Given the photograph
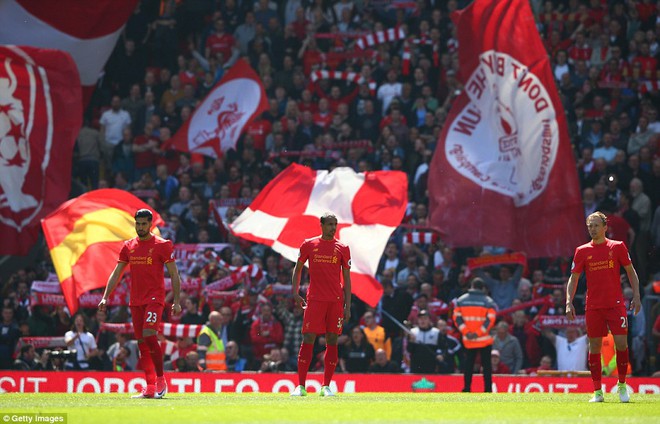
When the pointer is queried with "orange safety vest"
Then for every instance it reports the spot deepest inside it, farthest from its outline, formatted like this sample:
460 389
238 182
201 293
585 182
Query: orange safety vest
608 357
215 354
475 313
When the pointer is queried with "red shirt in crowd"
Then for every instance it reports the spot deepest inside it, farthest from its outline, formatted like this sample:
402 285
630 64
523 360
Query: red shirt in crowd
602 264
222 43
146 259
326 259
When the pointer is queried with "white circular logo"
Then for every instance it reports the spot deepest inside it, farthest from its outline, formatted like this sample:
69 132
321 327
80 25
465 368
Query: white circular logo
506 138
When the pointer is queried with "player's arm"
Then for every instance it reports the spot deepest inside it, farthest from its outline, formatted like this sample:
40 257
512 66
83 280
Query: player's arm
176 286
112 283
346 273
635 303
295 284
570 293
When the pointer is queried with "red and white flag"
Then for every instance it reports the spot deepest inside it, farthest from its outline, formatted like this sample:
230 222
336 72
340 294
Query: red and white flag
40 116
503 173
88 30
218 122
369 206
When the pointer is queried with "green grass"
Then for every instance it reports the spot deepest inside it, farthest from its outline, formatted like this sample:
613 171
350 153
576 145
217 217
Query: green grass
343 408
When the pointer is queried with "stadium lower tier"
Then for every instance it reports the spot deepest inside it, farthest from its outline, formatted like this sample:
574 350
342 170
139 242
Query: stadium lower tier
180 383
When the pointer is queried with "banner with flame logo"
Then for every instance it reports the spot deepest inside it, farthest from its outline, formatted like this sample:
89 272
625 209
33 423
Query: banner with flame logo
40 116
503 173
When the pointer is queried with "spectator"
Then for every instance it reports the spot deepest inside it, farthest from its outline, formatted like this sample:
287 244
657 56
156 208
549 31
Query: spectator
382 365
376 335
358 354
508 347
190 363
504 289
191 313
130 359
571 350
235 363
292 318
80 339
266 332
210 347
113 122
9 335
497 365
28 360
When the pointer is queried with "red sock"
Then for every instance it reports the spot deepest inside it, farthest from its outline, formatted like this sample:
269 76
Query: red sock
304 359
622 364
596 370
330 363
146 363
156 353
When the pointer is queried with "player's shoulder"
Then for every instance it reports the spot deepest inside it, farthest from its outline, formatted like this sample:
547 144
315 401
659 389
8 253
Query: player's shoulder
615 243
131 243
161 240
311 240
586 246
341 244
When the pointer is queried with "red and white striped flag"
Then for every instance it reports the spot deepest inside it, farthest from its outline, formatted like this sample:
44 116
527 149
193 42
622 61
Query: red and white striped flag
369 206
88 30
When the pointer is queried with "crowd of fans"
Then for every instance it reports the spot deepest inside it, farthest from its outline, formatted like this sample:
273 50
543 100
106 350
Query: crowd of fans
604 56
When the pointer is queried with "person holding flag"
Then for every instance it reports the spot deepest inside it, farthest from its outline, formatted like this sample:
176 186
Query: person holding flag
146 254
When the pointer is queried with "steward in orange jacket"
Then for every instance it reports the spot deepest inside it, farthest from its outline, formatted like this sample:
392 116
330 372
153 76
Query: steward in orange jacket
474 315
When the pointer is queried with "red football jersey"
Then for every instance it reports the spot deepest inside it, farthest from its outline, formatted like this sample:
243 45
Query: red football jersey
602 265
326 259
146 259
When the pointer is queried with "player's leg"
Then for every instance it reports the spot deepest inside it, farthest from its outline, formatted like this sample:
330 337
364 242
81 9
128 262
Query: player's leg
468 368
617 321
312 325
334 321
488 368
596 330
145 362
153 314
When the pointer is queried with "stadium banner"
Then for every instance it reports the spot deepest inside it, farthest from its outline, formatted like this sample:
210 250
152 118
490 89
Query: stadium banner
218 122
503 173
85 235
86 30
369 206
180 383
40 116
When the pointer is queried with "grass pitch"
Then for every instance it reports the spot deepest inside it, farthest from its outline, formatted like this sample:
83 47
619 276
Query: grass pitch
344 408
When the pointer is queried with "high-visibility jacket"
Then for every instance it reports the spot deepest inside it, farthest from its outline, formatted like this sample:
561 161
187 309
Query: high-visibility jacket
215 353
608 357
475 313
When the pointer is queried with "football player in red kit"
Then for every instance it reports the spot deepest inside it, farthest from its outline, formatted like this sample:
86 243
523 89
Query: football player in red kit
601 260
328 302
146 254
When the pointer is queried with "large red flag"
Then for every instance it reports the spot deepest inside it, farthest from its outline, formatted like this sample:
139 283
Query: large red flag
368 206
85 235
40 115
217 123
503 172
88 30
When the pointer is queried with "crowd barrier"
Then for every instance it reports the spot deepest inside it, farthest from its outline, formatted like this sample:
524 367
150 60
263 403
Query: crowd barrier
129 382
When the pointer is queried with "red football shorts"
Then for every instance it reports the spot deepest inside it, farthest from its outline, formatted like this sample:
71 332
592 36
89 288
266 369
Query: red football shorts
323 317
599 320
146 317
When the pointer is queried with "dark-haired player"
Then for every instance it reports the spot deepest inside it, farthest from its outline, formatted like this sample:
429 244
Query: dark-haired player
328 302
146 254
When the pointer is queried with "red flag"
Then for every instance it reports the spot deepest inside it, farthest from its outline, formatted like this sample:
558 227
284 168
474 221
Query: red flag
88 30
503 173
40 115
217 123
368 206
85 235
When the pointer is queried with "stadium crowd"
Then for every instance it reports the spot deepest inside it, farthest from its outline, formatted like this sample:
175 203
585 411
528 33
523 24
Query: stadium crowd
604 56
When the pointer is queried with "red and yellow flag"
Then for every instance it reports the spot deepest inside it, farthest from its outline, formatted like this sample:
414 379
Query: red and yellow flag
85 235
